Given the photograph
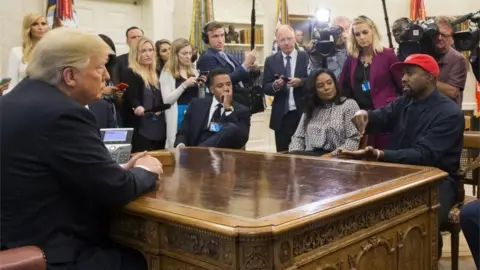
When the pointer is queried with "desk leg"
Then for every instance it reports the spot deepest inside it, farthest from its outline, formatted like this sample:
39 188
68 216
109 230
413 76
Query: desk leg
434 205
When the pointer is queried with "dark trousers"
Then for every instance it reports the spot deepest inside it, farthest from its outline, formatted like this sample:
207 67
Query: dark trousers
317 153
283 136
119 258
447 197
227 137
140 144
470 221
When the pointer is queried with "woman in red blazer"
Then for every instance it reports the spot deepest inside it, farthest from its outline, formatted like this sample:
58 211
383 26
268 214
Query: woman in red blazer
366 75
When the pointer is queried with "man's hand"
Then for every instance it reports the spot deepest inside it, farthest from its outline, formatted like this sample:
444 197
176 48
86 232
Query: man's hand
131 163
294 82
369 153
149 163
360 120
250 58
278 83
227 100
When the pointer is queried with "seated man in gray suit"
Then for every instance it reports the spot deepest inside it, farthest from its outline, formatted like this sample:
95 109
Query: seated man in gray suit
215 121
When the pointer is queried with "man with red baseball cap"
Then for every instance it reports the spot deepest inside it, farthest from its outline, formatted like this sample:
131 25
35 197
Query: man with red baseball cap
426 128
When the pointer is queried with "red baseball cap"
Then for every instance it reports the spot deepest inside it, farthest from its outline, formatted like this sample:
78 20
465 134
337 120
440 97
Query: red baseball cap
424 61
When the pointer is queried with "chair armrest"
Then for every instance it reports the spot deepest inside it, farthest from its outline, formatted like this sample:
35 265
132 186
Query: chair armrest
23 258
475 164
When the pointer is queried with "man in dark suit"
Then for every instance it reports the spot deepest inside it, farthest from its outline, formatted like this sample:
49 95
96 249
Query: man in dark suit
133 34
101 109
215 57
212 123
284 76
58 179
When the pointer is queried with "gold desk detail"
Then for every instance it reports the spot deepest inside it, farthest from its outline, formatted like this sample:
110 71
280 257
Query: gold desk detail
228 209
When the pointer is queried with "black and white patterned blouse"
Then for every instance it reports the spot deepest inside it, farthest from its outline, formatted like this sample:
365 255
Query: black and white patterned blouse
329 129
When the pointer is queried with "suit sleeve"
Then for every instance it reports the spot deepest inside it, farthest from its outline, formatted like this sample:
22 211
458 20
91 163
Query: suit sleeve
80 160
241 118
385 118
131 97
111 123
269 78
432 145
208 62
304 66
184 130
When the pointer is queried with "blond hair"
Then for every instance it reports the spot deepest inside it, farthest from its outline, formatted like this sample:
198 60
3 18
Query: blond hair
353 47
27 41
61 48
149 75
173 64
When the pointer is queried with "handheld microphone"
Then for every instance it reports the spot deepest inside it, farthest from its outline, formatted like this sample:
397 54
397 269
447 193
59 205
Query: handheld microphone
464 18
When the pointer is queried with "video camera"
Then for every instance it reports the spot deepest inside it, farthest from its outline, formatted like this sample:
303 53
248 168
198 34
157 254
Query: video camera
418 37
325 40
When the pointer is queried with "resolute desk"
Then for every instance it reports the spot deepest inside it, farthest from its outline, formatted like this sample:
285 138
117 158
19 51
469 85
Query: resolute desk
227 209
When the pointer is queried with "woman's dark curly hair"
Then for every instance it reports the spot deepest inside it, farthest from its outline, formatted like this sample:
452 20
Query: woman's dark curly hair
312 100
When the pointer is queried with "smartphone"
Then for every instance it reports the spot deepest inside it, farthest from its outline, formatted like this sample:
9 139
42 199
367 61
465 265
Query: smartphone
203 73
285 79
121 86
5 80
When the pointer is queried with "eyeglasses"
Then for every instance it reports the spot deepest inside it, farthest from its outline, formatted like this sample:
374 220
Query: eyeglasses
444 35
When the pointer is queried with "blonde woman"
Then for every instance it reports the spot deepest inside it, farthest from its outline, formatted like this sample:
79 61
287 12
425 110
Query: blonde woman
179 86
366 76
143 103
34 27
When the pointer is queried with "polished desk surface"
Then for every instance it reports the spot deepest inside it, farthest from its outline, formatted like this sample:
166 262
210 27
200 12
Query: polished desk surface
232 191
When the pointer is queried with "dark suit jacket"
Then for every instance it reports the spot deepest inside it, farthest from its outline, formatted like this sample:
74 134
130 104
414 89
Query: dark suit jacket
274 65
57 177
211 59
103 113
122 64
196 119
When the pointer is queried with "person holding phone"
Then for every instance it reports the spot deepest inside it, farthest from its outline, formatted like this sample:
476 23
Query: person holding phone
284 76
179 83
215 121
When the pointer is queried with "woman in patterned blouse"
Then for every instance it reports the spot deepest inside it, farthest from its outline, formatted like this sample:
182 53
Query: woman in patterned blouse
326 124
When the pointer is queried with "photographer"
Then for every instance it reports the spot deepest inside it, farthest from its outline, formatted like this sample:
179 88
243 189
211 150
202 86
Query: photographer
453 66
398 29
337 59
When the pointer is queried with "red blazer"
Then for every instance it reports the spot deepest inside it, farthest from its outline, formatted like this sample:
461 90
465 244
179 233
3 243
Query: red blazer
385 85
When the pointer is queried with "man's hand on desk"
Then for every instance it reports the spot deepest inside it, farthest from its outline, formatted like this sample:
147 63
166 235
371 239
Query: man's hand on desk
369 153
360 120
147 162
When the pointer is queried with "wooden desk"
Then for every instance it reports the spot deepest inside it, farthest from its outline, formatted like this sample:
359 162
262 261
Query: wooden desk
226 209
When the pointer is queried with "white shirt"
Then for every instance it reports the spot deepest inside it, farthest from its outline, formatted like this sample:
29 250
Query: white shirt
213 107
293 62
16 69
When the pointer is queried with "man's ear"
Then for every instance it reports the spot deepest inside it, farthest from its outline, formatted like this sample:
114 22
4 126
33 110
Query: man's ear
68 76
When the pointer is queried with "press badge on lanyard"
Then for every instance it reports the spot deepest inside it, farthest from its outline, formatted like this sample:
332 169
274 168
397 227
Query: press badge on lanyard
215 127
366 86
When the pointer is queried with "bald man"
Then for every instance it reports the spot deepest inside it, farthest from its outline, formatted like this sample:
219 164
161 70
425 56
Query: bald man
284 77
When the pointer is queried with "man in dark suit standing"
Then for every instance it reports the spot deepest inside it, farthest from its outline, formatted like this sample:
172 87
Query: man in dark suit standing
215 121
133 34
58 179
284 76
101 109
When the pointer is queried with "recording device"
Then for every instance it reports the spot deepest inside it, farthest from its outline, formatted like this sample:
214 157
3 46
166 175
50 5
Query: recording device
118 142
5 80
202 73
324 40
418 37
285 79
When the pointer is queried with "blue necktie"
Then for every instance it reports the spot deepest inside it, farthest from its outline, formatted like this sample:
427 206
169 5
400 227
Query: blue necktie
287 73
288 67
225 57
